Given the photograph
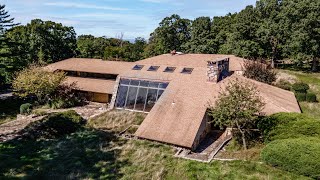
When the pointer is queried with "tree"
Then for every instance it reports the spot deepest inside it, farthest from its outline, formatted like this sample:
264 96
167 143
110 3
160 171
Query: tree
172 33
304 44
89 46
47 41
242 40
201 40
237 107
259 72
35 81
273 31
6 22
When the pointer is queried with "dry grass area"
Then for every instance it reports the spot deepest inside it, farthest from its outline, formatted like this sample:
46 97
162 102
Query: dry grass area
116 120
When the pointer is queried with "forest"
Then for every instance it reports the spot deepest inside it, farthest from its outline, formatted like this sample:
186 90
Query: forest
272 30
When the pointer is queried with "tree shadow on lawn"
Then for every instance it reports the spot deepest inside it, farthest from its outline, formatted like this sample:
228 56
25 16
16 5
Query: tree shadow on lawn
87 153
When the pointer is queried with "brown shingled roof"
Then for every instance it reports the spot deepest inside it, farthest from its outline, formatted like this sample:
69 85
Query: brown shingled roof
92 85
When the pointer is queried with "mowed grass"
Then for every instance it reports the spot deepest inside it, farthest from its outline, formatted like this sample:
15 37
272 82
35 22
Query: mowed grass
313 79
90 153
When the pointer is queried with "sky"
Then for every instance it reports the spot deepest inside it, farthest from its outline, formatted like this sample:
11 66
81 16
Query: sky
111 18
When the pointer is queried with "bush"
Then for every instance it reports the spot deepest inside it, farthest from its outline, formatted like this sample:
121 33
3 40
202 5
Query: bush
311 97
55 125
300 87
300 155
283 84
25 108
295 129
301 96
66 96
259 72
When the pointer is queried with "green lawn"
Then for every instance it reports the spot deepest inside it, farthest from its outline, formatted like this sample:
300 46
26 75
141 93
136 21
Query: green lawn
313 79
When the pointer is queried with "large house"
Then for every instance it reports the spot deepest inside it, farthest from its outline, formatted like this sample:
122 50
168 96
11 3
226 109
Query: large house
175 91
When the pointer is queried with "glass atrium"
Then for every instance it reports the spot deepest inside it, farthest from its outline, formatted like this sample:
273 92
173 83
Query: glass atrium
139 95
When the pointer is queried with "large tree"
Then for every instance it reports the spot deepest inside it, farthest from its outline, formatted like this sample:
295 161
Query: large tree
6 22
273 31
304 44
242 40
201 38
39 42
172 33
237 107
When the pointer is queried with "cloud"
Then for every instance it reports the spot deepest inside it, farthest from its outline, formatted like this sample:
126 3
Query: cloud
83 6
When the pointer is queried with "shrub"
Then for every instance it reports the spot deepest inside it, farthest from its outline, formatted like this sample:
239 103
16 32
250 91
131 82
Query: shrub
300 87
300 155
25 108
288 125
301 96
55 125
259 72
283 84
66 96
311 97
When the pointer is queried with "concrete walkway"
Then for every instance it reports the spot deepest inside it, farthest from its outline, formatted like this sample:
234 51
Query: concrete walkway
208 148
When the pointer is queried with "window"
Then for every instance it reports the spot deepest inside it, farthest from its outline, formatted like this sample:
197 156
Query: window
91 75
170 69
137 67
153 68
139 95
187 70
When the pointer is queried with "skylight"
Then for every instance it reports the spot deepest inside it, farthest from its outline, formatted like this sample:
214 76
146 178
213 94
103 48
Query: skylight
153 68
169 69
137 67
187 70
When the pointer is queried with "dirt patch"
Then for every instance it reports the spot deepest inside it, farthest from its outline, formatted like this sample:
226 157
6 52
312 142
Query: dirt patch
9 130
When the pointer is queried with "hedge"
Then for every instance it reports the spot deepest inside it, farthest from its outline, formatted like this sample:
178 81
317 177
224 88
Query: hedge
301 96
300 87
300 156
285 125
25 108
311 97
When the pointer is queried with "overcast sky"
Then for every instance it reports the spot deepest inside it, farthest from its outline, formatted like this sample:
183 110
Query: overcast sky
133 18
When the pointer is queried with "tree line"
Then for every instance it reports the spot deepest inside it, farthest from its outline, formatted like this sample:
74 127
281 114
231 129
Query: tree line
271 30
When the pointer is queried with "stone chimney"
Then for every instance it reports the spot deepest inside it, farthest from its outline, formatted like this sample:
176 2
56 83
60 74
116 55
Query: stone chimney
217 70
